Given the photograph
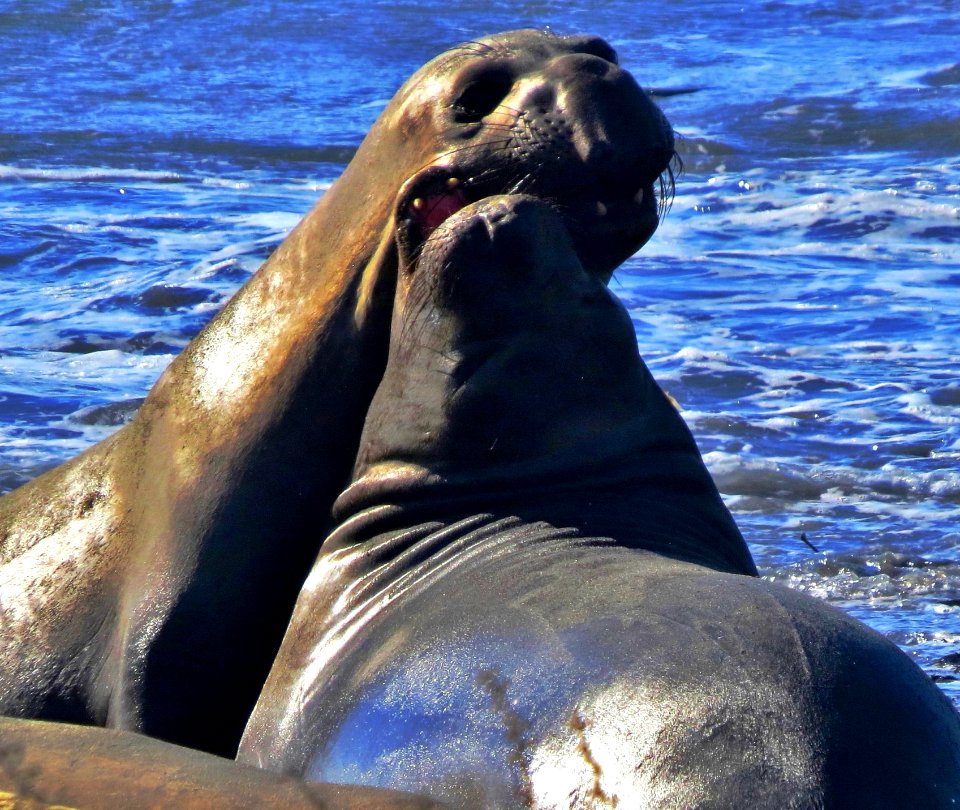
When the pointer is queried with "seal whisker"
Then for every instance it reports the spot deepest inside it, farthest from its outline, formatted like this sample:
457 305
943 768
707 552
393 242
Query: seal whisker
498 127
498 46
522 183
463 148
420 302
667 184
489 173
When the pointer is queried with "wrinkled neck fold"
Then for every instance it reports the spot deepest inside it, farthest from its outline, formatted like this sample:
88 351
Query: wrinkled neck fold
655 498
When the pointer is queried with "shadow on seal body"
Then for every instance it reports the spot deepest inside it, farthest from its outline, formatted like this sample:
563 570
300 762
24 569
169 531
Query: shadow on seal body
146 584
535 596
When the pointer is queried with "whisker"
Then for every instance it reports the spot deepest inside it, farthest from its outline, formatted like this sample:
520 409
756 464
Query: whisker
517 186
467 146
499 47
486 174
499 127
460 149
667 184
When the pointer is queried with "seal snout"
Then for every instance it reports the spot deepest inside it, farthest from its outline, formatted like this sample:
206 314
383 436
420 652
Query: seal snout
515 244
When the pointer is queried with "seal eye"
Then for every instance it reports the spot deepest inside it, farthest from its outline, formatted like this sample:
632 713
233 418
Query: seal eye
482 96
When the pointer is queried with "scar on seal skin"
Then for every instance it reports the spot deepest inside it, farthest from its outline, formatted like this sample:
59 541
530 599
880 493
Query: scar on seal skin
515 728
578 725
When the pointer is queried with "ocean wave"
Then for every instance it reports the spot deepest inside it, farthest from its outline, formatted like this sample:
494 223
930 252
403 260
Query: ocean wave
87 175
788 482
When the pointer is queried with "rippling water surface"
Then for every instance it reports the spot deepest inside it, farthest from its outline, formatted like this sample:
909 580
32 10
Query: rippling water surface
801 301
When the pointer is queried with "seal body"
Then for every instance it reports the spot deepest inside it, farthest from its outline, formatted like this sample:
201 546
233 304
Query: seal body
535 596
147 583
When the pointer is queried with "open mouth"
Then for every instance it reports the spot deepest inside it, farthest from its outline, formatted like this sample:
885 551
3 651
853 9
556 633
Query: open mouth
436 203
596 218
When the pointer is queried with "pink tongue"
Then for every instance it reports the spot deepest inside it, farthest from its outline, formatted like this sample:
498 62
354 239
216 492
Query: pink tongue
438 207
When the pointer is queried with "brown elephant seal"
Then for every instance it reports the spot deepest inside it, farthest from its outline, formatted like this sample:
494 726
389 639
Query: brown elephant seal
56 766
147 583
535 597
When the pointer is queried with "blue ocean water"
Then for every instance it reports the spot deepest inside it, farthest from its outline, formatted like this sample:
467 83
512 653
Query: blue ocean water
801 300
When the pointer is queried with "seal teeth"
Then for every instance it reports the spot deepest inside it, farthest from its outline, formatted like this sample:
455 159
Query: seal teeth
601 209
453 182
417 203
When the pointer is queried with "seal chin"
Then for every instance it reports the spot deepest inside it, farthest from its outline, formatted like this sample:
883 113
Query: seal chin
608 229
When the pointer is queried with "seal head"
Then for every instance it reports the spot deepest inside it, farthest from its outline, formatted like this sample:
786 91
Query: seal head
555 117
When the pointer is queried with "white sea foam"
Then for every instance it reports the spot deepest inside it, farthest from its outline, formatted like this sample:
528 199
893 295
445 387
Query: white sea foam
86 175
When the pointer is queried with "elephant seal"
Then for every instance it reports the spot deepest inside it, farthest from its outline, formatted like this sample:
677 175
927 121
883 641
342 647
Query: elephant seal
146 584
535 596
56 766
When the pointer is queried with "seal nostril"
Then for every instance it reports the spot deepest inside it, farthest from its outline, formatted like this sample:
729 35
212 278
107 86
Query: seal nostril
493 216
491 226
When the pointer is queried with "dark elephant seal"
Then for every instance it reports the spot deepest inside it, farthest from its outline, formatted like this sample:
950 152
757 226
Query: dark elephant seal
147 583
535 596
56 766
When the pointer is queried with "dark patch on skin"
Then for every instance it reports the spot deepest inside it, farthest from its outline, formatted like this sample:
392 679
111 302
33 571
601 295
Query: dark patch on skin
515 728
87 503
18 774
578 725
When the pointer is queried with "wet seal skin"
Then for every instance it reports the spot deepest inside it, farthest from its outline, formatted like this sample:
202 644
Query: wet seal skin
147 583
535 596
56 766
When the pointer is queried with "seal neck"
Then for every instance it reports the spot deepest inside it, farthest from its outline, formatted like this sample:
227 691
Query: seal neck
656 499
